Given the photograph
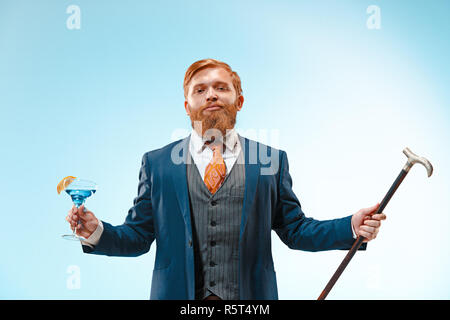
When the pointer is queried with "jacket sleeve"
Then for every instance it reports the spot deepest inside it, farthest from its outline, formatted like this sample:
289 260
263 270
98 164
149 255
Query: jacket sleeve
302 233
136 234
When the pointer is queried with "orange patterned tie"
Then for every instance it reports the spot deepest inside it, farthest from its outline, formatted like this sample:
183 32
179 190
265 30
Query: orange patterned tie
216 170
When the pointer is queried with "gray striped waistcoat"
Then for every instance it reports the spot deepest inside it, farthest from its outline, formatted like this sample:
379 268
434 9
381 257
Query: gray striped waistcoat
215 230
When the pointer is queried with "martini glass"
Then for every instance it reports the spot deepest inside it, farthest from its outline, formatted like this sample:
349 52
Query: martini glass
79 190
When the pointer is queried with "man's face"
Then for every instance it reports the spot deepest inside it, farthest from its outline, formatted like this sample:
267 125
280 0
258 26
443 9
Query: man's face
212 101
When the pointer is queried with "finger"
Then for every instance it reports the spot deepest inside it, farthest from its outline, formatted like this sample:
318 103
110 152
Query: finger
71 211
374 234
379 216
81 209
82 212
74 217
78 211
69 219
367 229
372 223
85 215
371 209
365 234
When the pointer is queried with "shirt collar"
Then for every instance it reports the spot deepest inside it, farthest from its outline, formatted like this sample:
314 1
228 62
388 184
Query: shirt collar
231 139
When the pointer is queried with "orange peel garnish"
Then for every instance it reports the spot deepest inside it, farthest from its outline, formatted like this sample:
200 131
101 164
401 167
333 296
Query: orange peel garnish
64 183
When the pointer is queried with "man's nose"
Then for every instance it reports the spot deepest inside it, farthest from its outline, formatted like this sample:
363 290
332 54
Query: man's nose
211 95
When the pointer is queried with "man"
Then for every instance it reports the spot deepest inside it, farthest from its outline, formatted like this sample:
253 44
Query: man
211 200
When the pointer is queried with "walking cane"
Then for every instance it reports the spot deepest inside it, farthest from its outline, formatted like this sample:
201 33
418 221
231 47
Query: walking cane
412 160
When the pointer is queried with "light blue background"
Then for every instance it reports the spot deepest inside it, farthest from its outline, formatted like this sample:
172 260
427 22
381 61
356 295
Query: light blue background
343 100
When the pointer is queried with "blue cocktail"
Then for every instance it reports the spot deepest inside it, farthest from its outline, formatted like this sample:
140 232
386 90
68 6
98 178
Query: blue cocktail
79 190
79 196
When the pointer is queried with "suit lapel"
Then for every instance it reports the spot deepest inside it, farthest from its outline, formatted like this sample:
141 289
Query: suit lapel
252 170
179 179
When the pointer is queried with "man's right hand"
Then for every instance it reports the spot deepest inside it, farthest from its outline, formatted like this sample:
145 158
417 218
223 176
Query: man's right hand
88 221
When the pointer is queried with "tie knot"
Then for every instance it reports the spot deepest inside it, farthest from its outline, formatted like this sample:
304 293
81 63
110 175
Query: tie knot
215 147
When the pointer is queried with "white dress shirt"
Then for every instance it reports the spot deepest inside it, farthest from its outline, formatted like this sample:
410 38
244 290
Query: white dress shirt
202 155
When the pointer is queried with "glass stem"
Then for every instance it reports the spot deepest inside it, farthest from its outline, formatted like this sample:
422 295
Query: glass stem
75 229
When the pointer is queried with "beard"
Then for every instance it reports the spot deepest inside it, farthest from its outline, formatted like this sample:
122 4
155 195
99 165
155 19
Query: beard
221 120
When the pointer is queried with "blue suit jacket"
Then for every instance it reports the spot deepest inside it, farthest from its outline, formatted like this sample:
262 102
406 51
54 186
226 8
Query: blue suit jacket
161 212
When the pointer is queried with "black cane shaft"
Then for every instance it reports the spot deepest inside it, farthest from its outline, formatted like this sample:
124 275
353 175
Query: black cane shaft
341 267
360 239
392 190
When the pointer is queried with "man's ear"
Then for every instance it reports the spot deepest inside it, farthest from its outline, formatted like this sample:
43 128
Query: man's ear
240 102
186 106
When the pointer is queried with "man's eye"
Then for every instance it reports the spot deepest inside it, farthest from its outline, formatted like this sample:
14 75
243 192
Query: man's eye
199 90
221 88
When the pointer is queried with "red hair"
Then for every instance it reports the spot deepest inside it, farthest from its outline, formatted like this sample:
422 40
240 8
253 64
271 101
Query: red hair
210 63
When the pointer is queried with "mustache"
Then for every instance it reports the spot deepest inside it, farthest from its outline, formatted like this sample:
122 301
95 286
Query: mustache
212 104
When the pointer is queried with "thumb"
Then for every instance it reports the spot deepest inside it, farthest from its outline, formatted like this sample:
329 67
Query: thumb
82 212
370 210
81 209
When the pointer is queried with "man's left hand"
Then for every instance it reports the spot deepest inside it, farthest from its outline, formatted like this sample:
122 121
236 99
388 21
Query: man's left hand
366 223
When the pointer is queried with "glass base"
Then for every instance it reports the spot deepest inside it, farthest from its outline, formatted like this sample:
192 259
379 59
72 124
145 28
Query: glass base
73 237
